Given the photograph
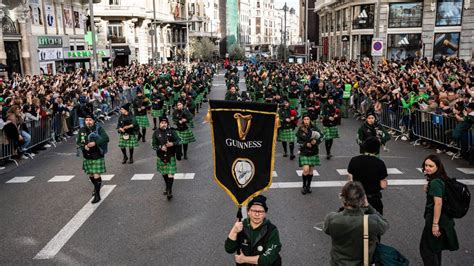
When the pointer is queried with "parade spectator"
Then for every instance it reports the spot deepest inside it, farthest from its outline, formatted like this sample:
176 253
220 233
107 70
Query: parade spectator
371 172
346 227
438 233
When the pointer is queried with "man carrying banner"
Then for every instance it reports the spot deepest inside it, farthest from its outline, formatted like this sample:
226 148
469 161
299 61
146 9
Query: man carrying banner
255 237
309 137
164 141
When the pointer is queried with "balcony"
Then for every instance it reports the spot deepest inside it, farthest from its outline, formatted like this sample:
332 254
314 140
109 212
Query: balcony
320 4
116 39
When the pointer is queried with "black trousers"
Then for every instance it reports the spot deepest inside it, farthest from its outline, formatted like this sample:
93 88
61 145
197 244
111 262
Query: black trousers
375 200
429 257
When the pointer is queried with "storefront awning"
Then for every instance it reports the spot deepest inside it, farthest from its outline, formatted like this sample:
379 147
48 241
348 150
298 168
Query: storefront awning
121 50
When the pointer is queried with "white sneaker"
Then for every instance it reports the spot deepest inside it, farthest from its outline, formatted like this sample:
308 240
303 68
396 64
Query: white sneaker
450 153
24 157
47 145
75 132
2 167
439 151
385 149
457 156
404 138
32 154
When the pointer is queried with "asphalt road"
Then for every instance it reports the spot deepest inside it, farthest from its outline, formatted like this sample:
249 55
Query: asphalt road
48 223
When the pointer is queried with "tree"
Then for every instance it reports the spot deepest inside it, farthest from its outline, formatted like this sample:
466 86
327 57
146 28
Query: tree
202 49
236 52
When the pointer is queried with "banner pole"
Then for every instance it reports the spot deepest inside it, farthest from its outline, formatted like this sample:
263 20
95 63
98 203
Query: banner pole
239 235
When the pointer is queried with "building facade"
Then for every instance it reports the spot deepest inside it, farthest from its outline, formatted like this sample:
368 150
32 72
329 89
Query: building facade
262 27
428 28
244 24
38 35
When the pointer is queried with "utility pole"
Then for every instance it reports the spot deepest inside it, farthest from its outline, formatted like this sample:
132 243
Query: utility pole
94 45
187 33
154 44
285 7
377 34
306 31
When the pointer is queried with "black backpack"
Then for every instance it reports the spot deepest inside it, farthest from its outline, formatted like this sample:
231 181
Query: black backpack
457 198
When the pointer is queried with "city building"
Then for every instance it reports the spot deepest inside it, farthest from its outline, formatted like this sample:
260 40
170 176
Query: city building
311 41
262 27
37 36
244 24
292 26
429 28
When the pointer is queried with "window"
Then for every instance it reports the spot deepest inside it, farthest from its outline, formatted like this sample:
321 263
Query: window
346 14
401 46
449 12
363 17
446 44
114 2
405 15
115 32
338 20
257 28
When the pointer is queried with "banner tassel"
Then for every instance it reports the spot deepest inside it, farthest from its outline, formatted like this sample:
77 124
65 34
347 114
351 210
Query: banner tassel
208 117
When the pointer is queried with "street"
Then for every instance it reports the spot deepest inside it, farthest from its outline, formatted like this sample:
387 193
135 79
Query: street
47 217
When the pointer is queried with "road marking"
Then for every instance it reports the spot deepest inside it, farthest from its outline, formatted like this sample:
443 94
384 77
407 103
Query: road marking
274 174
20 179
300 173
142 176
63 236
391 182
390 171
107 177
184 176
420 170
61 178
467 171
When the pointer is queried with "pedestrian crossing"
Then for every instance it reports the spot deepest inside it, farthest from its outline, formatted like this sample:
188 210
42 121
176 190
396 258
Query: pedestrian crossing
191 176
108 177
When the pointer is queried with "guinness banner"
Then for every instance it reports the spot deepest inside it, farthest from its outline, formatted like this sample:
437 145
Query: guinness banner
243 138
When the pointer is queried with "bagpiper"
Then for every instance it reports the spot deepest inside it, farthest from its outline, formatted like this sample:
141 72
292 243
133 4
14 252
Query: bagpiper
330 117
140 106
127 127
286 132
309 137
164 141
157 105
92 140
182 118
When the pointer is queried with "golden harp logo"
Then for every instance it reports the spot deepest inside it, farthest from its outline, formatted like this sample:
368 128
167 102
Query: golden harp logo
243 124
243 171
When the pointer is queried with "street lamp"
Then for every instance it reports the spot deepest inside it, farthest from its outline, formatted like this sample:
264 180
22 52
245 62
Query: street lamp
187 33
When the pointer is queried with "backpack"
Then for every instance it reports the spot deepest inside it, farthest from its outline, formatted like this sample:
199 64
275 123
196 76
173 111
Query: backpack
457 198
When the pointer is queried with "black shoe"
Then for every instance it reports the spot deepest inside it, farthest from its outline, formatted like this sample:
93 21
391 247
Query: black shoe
143 139
124 161
303 191
169 196
165 193
154 128
96 197
285 155
131 160
185 157
328 157
292 157
308 190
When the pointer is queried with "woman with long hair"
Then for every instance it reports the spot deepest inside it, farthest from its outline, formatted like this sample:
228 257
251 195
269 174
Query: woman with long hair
438 233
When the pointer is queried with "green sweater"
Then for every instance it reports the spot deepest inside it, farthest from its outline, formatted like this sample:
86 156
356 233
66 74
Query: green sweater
346 231
271 249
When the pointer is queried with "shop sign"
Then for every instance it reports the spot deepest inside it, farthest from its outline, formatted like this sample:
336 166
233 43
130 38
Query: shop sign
86 54
50 54
49 41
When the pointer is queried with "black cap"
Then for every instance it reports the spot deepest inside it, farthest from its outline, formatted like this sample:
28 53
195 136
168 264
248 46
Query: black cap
470 105
126 106
89 116
164 118
258 200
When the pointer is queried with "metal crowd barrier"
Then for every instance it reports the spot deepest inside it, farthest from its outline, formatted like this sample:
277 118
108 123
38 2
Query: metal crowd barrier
46 130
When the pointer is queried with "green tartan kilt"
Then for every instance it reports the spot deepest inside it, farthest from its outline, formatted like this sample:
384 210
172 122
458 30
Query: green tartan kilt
157 113
330 133
142 120
199 98
191 124
206 90
294 103
287 135
260 100
132 142
94 166
186 136
166 168
309 160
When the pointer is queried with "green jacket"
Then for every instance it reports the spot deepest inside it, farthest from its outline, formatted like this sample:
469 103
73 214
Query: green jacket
346 229
253 238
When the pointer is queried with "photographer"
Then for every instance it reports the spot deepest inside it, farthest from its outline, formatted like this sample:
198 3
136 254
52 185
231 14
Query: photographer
164 141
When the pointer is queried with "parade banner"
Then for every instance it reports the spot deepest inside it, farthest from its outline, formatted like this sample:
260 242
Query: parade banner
243 138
